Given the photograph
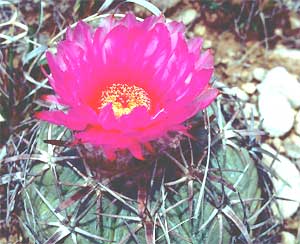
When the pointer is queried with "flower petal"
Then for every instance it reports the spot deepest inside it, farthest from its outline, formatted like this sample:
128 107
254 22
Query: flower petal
152 55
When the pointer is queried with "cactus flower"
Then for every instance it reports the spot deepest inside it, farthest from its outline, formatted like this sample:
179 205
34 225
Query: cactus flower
128 83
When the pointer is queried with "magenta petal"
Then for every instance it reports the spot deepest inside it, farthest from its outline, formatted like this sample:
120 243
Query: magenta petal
206 61
136 151
107 119
152 55
207 97
60 118
195 45
76 119
51 99
109 153
81 35
138 118
150 22
176 27
130 21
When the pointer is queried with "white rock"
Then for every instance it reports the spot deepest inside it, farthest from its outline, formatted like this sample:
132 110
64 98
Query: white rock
297 123
276 113
287 53
236 91
288 238
292 146
1 118
259 73
286 183
279 80
268 160
207 44
2 152
250 109
249 87
200 30
187 16
278 144
294 20
165 4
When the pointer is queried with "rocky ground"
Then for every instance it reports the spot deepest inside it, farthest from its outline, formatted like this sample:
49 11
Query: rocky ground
266 81
257 57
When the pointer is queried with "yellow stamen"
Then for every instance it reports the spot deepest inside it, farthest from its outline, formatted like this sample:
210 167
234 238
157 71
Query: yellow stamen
124 98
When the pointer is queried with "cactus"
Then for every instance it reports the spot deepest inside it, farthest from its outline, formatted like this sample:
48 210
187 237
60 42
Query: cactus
202 189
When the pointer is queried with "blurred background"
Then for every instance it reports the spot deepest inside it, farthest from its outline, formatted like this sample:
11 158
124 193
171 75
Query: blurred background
256 45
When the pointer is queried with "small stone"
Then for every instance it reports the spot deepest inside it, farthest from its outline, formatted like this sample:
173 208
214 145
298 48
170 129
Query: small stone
1 118
165 4
279 80
187 16
287 53
286 181
249 87
294 20
2 152
297 123
287 238
239 93
246 76
207 44
267 159
278 32
250 109
259 73
276 113
225 60
278 144
200 30
292 146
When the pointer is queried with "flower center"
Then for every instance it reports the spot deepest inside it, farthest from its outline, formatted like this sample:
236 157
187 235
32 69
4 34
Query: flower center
124 98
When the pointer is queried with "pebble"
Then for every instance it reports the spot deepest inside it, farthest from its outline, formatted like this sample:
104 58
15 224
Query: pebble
200 30
279 81
249 88
2 152
1 118
287 53
276 114
294 20
239 93
278 144
245 75
207 44
164 5
288 238
286 181
259 73
187 16
278 32
249 109
292 146
297 123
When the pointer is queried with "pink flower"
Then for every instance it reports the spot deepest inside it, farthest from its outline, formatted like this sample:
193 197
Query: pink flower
128 83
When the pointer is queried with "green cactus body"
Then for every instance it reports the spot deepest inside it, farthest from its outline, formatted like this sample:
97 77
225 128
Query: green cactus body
66 201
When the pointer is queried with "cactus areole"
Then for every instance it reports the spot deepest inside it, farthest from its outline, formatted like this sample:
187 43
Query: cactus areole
128 83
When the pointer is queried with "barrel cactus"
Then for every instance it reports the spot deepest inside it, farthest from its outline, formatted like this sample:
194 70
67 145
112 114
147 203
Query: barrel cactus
193 193
183 175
